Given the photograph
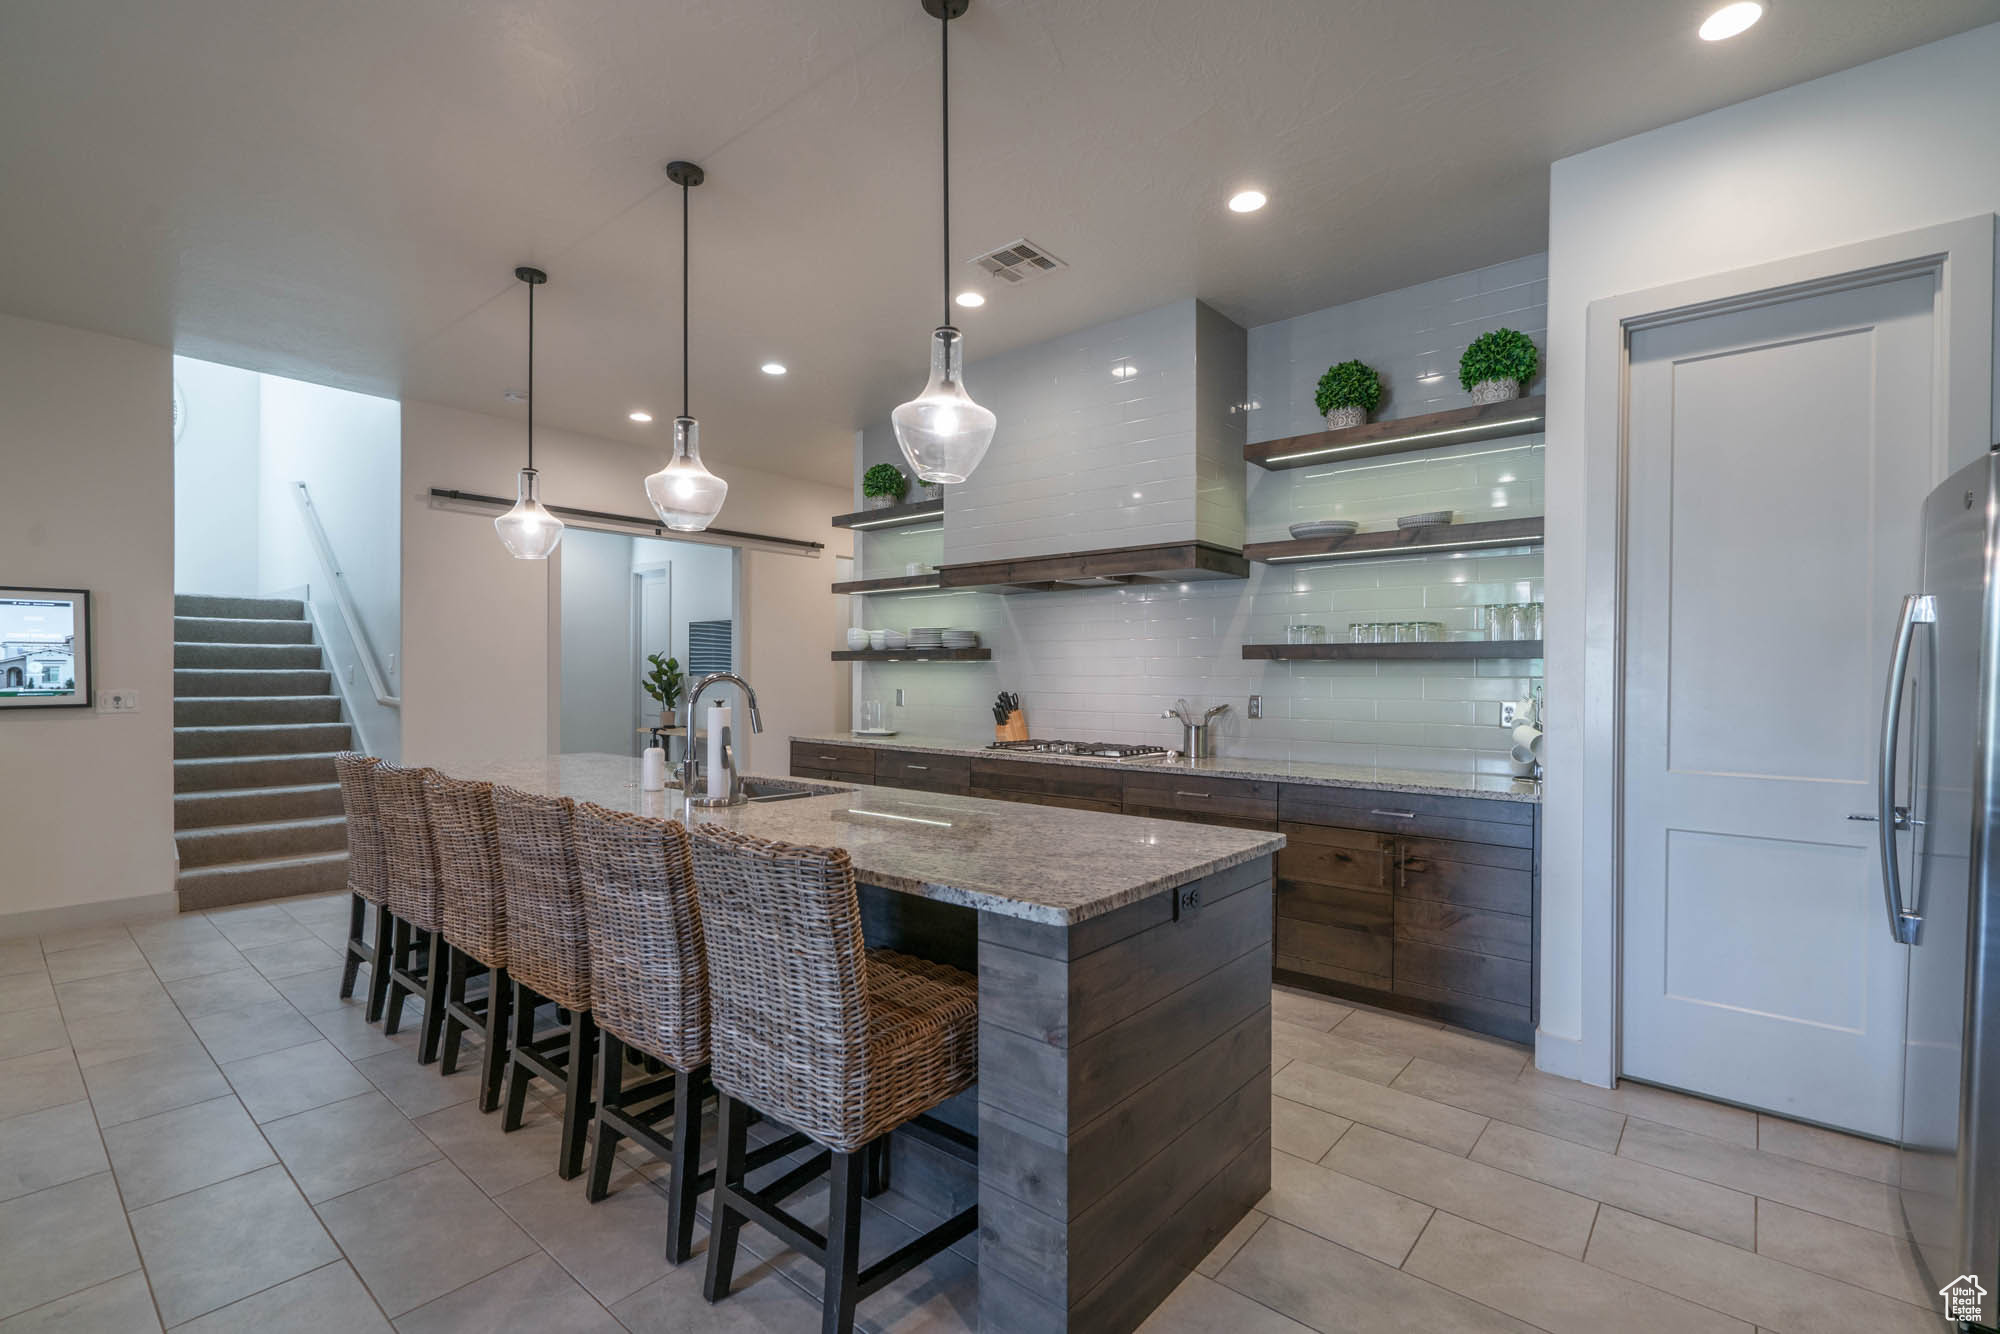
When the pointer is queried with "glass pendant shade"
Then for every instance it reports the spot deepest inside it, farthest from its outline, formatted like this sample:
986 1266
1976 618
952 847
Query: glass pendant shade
943 432
528 531
685 494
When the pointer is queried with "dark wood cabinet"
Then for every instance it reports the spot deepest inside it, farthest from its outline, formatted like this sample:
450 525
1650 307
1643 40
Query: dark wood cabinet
1413 901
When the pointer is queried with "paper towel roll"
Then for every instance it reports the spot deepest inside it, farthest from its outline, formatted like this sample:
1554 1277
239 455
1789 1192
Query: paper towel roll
1527 743
718 723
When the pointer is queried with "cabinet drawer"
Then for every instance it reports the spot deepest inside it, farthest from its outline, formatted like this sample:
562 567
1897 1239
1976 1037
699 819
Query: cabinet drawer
854 763
927 773
1412 814
1364 957
1102 805
1325 856
1494 888
1361 909
1201 798
1476 930
1025 779
1438 970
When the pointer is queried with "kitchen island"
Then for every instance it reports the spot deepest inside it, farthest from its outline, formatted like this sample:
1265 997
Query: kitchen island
1123 1109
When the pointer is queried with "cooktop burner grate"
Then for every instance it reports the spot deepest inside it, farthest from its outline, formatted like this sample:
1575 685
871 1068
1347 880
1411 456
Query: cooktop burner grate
1106 750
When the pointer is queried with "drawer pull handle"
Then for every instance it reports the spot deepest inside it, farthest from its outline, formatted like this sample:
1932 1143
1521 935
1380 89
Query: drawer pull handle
1396 815
923 767
1199 796
829 757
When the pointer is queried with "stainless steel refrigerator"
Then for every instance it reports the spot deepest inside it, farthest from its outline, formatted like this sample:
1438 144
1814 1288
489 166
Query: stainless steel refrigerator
1939 793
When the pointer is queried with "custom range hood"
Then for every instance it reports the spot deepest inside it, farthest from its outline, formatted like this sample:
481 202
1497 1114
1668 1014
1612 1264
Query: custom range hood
1119 460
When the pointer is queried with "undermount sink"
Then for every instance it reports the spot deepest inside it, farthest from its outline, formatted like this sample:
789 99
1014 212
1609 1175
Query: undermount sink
775 789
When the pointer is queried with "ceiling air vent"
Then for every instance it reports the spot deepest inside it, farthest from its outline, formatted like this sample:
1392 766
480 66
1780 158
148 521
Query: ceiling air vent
1017 262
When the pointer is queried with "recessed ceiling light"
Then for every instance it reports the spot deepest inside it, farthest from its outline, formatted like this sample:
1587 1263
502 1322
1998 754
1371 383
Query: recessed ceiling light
970 300
642 417
773 368
1124 370
1246 201
1729 20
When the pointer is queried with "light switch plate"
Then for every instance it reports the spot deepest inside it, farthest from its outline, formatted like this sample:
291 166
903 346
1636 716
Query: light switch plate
1509 710
1256 706
118 701
899 697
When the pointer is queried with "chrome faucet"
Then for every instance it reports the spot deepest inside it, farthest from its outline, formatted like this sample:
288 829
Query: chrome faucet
691 762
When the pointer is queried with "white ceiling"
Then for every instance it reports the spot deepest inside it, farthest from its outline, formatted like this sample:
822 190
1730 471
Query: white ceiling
340 190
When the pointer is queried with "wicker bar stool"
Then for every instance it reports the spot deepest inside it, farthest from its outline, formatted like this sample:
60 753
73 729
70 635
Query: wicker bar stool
410 857
366 885
548 959
473 908
844 1043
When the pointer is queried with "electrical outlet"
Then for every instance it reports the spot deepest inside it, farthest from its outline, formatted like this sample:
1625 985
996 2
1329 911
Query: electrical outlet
1508 712
1256 706
118 701
350 673
899 697
392 664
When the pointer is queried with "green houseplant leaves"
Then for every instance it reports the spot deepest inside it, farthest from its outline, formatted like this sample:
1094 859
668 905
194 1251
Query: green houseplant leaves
1348 385
1503 354
663 682
885 479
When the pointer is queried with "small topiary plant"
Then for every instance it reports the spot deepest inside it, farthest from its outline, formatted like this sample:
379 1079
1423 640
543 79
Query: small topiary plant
1348 385
1503 354
885 479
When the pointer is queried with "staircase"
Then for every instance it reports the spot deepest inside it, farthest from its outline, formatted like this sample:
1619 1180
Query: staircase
257 811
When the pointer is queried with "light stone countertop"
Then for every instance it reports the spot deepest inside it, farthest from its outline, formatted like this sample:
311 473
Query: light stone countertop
1039 863
1440 782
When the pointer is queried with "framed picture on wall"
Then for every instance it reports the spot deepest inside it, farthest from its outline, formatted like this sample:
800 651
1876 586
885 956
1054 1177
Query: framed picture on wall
44 648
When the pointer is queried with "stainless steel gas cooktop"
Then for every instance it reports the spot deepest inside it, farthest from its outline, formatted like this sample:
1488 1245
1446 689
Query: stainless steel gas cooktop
1103 750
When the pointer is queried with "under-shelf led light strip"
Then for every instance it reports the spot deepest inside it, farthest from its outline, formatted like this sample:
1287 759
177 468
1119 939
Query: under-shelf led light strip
886 523
1405 439
1399 551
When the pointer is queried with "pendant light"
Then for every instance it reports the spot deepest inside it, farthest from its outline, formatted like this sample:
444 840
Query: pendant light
943 432
685 494
529 531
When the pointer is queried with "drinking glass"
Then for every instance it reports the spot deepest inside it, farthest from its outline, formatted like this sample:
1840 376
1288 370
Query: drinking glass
1495 615
1534 620
871 715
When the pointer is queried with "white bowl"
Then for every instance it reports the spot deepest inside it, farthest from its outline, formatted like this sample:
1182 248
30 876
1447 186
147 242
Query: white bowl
857 638
897 639
878 640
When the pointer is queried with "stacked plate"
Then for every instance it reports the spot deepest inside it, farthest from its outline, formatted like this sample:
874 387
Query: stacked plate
931 636
961 639
1325 528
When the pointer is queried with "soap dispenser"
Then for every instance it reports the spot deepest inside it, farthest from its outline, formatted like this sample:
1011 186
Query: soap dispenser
653 767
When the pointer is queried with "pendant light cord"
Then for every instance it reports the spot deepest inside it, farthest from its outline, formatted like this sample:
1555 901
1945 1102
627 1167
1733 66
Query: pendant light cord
684 300
944 67
531 377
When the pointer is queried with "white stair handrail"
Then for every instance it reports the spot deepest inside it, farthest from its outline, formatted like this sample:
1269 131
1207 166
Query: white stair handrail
345 600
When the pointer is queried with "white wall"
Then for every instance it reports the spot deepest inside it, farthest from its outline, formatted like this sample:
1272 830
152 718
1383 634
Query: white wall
477 653
1896 144
215 479
86 827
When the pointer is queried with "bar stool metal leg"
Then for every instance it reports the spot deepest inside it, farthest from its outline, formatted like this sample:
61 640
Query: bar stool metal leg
518 1074
378 966
725 1223
358 951
493 1059
843 1240
610 1088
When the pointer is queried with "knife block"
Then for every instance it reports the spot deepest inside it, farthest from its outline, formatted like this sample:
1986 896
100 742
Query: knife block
1014 729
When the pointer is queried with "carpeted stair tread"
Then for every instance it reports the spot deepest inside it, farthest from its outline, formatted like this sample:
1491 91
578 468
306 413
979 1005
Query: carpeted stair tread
232 883
260 739
242 710
213 773
247 656
218 845
245 805
209 681
239 608
235 630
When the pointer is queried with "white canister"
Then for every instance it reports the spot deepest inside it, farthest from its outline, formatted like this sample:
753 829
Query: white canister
653 770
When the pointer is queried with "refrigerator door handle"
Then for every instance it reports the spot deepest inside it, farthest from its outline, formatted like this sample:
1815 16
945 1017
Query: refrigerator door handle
1918 609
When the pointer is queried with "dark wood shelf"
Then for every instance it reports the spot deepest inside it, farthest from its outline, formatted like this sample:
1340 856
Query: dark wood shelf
1400 542
1449 649
912 655
900 583
1162 563
1402 435
890 516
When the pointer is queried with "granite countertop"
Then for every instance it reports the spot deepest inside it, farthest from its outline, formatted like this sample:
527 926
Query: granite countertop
1441 782
1039 863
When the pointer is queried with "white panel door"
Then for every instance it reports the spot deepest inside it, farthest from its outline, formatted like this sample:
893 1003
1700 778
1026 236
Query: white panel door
1779 459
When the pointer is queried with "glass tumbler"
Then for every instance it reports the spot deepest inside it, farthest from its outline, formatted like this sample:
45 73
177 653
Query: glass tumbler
1533 622
871 715
1495 615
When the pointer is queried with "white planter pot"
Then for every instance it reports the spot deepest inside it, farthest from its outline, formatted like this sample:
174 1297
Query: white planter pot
1495 391
1342 418
878 502
930 491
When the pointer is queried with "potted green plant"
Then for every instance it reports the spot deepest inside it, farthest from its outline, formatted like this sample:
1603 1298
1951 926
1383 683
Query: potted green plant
1497 365
1347 394
883 485
663 683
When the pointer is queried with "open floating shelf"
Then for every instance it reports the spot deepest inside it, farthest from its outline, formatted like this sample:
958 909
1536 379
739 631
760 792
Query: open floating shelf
1159 563
890 516
1494 533
912 655
1444 650
1401 435
900 583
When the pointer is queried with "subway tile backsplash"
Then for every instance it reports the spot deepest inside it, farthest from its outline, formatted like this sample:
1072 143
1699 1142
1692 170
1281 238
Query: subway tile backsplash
1105 663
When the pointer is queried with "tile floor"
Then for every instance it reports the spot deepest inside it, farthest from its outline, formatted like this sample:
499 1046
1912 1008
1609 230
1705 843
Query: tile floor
197 1134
